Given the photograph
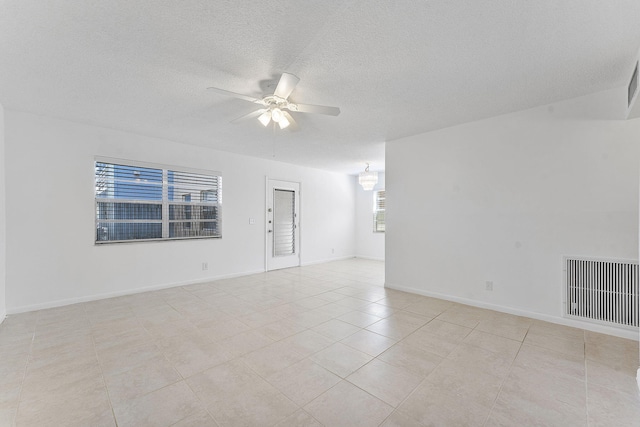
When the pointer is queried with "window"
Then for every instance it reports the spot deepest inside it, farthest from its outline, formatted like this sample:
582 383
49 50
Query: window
378 211
140 202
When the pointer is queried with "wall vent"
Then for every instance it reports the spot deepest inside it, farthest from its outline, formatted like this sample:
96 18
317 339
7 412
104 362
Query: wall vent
603 291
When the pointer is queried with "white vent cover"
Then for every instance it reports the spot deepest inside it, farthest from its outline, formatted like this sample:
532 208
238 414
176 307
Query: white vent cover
603 291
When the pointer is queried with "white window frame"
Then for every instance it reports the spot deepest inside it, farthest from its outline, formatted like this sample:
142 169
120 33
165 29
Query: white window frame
166 203
379 225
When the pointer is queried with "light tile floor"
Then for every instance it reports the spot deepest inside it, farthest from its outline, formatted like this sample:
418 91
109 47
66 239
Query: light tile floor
312 346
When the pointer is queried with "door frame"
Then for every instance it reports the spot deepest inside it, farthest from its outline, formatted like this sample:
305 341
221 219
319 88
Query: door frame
267 186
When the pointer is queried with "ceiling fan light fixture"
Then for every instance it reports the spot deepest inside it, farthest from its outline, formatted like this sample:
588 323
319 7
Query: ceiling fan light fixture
283 122
368 179
276 115
265 118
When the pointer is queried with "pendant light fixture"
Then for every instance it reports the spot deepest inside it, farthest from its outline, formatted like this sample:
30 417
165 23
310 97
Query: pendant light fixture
367 179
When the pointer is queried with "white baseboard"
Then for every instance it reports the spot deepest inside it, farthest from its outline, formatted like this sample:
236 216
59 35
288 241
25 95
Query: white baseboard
369 258
87 298
322 261
632 335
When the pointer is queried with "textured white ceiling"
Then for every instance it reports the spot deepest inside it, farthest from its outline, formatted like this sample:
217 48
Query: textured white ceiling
395 68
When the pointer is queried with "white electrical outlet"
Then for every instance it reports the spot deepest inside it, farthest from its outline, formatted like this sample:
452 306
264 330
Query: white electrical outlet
488 286
205 266
252 221
332 250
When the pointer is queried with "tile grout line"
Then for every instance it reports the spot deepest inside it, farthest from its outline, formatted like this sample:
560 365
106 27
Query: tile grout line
26 368
506 377
164 355
199 400
95 352
238 358
586 375
423 380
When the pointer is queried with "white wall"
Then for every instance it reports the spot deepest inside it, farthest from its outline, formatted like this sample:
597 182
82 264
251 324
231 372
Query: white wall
503 199
368 244
3 308
52 258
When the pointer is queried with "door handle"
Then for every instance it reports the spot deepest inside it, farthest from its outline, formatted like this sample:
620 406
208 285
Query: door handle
269 231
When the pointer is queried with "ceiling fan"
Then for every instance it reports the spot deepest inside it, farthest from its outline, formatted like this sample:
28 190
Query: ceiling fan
276 107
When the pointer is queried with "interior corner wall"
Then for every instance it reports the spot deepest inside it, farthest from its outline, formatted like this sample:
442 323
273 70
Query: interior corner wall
3 250
502 200
369 245
52 259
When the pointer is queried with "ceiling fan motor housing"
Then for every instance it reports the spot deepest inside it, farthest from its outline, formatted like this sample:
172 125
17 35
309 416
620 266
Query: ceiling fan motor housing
274 101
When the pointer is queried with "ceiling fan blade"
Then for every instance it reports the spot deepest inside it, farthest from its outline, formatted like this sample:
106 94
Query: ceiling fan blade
286 85
293 126
317 109
251 115
235 95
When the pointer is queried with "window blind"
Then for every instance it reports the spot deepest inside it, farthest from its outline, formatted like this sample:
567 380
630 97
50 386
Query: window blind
284 227
136 203
378 211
